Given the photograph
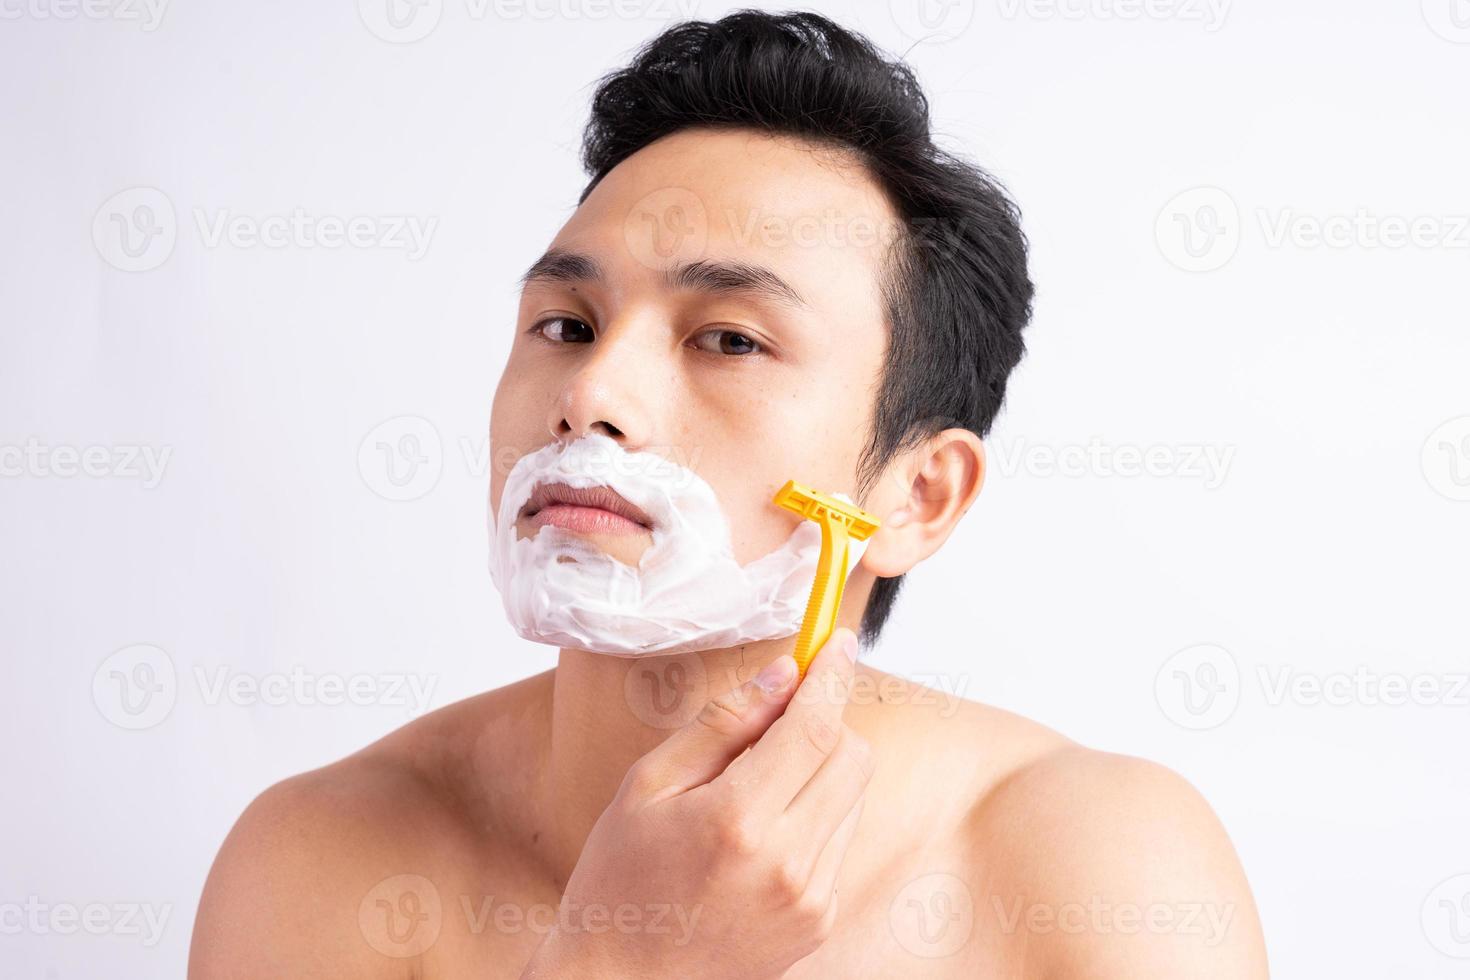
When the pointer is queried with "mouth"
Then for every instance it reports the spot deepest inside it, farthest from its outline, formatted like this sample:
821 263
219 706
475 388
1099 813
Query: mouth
585 510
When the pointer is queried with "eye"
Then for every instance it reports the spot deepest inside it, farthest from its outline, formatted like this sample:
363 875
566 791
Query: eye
728 342
563 330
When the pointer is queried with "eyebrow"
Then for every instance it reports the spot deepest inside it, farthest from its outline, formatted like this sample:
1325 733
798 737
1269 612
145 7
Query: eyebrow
735 278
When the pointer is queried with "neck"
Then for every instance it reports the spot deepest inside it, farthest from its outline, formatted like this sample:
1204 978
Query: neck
607 712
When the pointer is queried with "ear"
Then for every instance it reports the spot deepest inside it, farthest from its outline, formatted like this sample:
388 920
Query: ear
920 498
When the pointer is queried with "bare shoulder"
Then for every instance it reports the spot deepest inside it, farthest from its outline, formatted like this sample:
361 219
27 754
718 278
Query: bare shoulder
292 890
1087 863
1108 865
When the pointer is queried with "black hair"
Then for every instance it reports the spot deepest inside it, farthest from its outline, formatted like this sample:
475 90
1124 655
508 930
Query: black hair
956 290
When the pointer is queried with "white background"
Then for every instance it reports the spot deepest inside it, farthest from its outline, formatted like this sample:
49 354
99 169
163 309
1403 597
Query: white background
1334 541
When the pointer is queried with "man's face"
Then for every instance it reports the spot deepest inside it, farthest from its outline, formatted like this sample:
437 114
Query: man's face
758 366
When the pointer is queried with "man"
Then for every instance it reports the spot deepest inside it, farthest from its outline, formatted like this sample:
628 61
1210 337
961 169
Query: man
773 274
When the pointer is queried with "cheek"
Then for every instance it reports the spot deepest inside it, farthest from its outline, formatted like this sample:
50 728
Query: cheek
515 427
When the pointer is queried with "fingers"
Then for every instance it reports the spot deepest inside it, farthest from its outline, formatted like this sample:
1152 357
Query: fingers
826 803
724 728
835 788
797 744
828 864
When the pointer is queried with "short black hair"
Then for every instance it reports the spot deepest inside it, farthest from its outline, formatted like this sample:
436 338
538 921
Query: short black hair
956 292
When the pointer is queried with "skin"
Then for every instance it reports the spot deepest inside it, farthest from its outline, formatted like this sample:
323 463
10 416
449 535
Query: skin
858 825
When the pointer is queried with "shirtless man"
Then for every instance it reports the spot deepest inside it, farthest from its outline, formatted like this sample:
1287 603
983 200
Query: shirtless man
854 825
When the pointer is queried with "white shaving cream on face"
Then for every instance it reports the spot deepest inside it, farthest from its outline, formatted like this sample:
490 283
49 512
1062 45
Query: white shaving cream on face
687 592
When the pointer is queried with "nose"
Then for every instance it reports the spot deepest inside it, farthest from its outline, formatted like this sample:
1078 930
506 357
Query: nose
606 393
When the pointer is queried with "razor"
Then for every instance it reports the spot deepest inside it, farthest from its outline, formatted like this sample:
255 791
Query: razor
840 522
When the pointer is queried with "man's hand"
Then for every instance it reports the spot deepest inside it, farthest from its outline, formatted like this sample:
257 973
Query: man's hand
743 847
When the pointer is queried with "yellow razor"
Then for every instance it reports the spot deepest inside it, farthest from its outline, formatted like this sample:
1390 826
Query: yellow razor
840 522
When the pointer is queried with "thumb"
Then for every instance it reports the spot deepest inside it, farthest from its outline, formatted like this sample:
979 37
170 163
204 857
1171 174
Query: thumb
724 727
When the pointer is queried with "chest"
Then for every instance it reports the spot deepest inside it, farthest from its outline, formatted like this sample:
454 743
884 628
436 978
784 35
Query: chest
917 911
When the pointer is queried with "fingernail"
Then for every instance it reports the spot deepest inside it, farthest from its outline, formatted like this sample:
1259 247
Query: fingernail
774 676
849 645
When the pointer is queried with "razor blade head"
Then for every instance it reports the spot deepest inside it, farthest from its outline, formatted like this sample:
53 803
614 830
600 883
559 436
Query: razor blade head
817 506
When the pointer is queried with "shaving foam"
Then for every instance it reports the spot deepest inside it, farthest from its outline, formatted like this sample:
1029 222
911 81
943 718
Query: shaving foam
687 592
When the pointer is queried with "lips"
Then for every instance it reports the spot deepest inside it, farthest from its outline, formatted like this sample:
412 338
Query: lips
592 510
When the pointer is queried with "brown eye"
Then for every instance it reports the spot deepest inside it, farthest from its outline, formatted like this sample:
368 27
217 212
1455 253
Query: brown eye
564 330
726 342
